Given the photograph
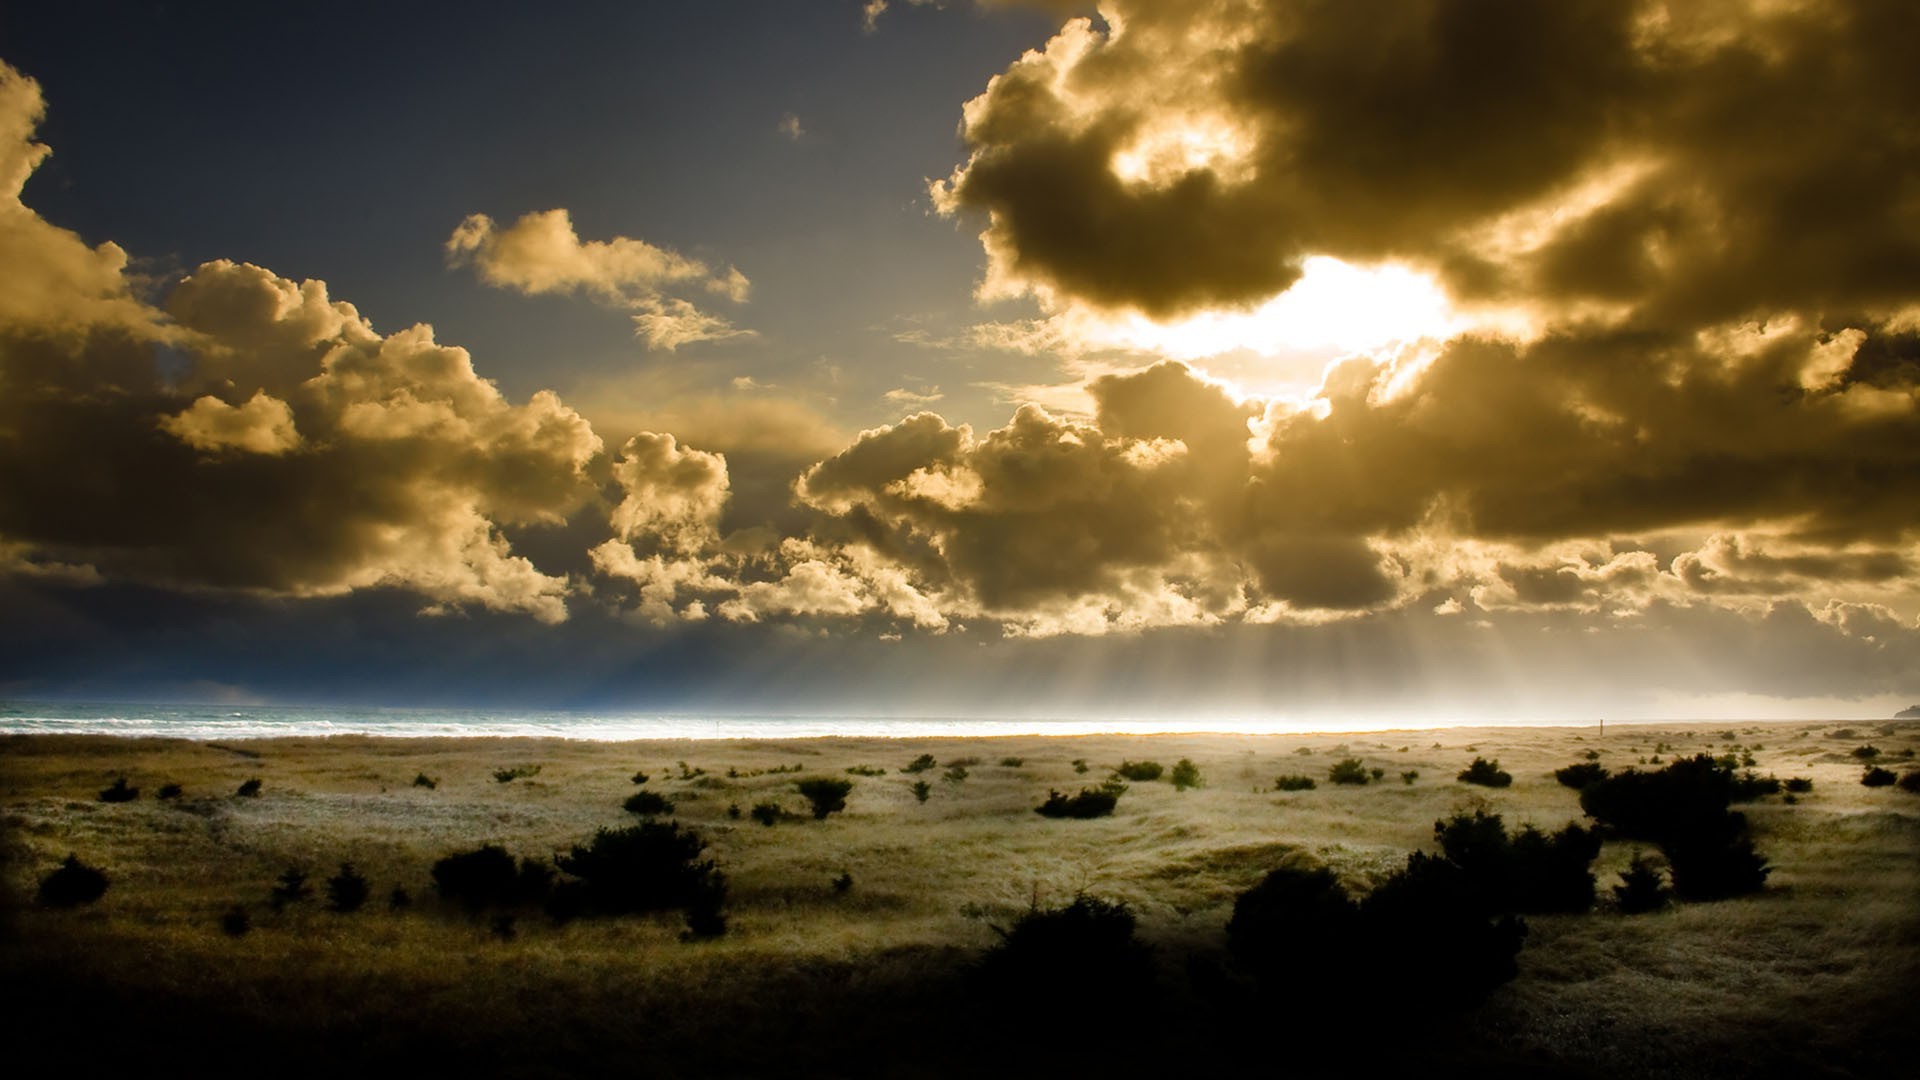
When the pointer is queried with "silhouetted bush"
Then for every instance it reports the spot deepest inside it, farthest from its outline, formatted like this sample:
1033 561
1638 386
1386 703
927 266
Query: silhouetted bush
1298 932
1348 771
1185 774
291 888
1432 910
865 770
1068 964
399 899
1533 872
921 789
705 919
1485 773
1294 783
639 778
249 788
844 883
119 791
425 781
1579 776
965 762
955 774
1409 777
1911 782
1080 765
654 866
1684 809
515 773
168 792
235 922
1875 776
488 877
647 804
1012 762
828 795
1866 753
1642 888
1710 865
346 890
920 764
1140 771
766 813
73 883
1800 784
1090 803
1749 786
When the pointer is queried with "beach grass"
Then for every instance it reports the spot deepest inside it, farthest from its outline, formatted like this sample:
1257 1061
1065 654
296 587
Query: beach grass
870 976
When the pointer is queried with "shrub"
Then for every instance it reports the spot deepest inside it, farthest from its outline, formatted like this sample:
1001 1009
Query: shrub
1641 888
399 899
1296 931
1409 777
1911 782
766 813
689 772
425 781
1348 771
705 919
955 774
1012 762
346 890
1185 775
1866 753
1090 803
1431 909
1684 809
505 776
1080 765
1113 786
733 811
1377 773
1579 776
168 792
73 883
654 866
1294 783
1875 776
1533 872
639 778
249 788
119 791
1485 773
865 770
963 762
235 922
1075 963
828 795
920 764
843 884
1140 771
488 877
291 888
921 789
1749 786
647 804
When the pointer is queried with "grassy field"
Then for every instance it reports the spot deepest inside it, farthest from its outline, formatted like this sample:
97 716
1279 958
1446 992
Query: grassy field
1814 976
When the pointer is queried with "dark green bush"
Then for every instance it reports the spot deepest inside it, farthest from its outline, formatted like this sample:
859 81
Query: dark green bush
291 888
1294 783
346 890
1298 932
1800 785
168 792
1185 774
119 791
1090 803
1866 753
1911 782
843 884
1409 777
1875 776
1485 773
515 773
1431 909
921 789
654 866
639 778
1642 888
1684 809
235 922
1012 762
647 804
1749 786
828 795
766 813
249 788
73 883
1531 873
955 774
1069 964
923 763
488 877
966 762
399 899
1080 765
1140 771
425 781
865 770
1349 771
1579 776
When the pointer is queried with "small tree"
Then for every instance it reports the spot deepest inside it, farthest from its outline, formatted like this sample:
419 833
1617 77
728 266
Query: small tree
73 884
346 890
827 794
1486 774
1349 771
1185 774
425 781
1642 888
921 790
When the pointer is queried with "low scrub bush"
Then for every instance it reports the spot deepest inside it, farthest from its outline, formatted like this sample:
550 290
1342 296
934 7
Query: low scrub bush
1140 771
766 813
1642 888
249 788
119 791
347 890
647 804
1684 808
1349 771
1911 782
1075 963
488 876
517 772
826 794
1866 753
639 778
1298 931
955 774
963 762
865 770
923 763
73 883
921 790
1080 765
1012 762
399 899
1185 775
1875 776
655 866
1749 786
843 884
1409 777
168 792
1531 873
1579 776
1294 783
235 922
1090 803
1485 773
291 888
425 781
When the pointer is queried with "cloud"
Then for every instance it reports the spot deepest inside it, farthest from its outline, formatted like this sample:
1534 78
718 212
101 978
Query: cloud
1584 159
900 395
790 127
541 254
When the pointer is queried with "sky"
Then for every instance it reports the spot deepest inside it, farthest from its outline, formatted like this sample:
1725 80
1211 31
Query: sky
1441 361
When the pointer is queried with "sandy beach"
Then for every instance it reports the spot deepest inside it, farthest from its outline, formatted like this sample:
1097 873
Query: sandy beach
1813 973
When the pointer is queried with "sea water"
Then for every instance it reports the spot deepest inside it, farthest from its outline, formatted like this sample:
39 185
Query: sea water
274 721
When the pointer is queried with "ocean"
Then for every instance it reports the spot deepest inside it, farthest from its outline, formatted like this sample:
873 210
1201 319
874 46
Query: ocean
274 721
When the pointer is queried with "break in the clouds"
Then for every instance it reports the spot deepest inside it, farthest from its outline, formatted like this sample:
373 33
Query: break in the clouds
541 253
